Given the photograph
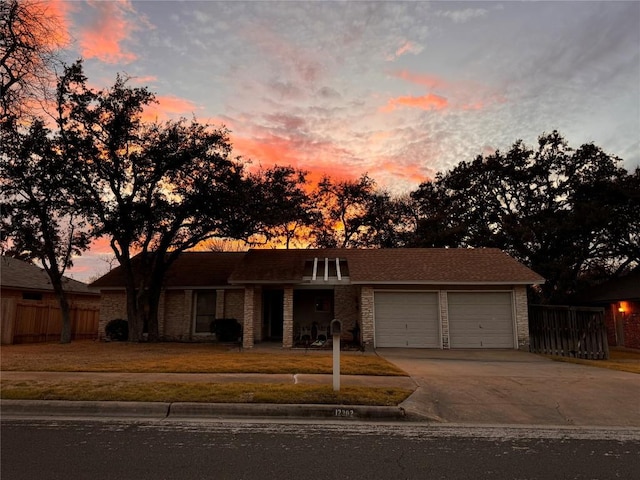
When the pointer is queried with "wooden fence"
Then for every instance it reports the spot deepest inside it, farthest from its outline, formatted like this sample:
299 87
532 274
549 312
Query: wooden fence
578 332
28 322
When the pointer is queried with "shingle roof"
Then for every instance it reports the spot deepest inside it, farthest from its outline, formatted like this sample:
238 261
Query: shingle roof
21 275
623 288
402 265
191 269
382 266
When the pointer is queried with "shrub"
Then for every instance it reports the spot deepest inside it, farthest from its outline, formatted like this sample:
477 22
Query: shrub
117 330
227 329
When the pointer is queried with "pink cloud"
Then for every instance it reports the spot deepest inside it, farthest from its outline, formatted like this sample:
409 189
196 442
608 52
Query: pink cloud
408 47
425 80
104 36
169 106
425 102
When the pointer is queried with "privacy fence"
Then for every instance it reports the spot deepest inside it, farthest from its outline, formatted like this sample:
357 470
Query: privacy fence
28 322
578 332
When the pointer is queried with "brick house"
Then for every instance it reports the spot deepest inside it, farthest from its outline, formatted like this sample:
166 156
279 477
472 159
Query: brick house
620 298
416 298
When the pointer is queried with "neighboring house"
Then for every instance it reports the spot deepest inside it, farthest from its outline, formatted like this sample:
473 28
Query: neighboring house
416 298
30 309
620 298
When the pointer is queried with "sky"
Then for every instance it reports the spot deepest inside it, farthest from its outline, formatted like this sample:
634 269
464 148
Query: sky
397 90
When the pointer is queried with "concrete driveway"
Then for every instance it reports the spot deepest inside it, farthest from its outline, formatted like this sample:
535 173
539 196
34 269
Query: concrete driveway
513 387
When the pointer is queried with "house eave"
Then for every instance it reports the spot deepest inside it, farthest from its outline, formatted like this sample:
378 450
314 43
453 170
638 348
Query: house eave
434 282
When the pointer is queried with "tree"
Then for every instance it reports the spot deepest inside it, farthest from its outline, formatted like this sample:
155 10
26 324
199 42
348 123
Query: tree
39 221
30 40
283 207
155 189
556 209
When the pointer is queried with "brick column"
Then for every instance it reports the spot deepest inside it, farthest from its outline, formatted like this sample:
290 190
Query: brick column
247 327
522 316
257 314
366 317
444 318
287 318
220 304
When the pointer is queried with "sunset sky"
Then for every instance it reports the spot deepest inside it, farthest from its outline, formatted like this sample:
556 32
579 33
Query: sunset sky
397 90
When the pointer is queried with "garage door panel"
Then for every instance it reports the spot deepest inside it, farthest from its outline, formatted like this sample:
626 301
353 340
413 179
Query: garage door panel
481 320
406 319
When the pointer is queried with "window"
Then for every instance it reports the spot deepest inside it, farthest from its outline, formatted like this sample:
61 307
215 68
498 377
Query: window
205 311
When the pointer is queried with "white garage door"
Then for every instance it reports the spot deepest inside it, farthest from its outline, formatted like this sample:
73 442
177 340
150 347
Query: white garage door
406 319
480 320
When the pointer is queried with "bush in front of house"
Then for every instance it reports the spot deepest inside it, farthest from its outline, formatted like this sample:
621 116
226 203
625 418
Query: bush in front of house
117 330
226 329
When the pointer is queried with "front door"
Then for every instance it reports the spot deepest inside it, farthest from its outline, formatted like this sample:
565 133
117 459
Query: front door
273 314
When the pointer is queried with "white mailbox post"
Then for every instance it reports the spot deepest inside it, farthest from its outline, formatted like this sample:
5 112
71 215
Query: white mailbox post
336 332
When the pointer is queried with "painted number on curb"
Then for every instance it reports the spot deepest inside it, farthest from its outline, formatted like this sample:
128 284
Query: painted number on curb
341 412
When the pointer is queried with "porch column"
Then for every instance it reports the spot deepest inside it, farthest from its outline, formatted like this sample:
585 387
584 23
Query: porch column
287 318
366 317
443 300
247 326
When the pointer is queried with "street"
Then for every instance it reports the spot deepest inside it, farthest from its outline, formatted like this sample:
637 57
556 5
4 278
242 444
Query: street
121 449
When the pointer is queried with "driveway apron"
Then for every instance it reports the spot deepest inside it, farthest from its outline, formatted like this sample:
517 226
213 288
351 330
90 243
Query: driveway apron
513 387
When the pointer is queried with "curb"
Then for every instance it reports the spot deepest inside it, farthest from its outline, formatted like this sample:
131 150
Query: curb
186 410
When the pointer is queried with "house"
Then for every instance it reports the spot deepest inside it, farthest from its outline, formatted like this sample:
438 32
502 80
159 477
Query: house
30 309
620 298
416 298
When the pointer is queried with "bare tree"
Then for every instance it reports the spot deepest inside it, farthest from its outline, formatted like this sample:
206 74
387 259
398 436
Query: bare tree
30 43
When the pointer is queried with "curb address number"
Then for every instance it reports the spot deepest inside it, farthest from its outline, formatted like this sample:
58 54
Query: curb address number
343 412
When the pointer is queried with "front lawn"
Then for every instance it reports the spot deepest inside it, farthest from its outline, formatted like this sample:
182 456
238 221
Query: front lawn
90 356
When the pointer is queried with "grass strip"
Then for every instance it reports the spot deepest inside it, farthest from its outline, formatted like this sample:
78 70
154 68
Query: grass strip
202 392
621 366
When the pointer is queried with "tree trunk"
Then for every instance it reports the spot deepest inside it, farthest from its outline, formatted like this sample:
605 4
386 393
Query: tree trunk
65 310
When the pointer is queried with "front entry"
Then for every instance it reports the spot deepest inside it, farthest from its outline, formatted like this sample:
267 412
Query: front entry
273 314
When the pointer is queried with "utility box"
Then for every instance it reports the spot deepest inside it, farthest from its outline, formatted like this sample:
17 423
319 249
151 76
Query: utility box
336 327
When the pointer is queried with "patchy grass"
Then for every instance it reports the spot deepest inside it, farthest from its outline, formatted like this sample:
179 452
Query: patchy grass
90 356
201 392
621 360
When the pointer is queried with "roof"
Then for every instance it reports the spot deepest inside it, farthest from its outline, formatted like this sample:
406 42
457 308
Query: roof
622 288
417 266
191 269
22 275
391 266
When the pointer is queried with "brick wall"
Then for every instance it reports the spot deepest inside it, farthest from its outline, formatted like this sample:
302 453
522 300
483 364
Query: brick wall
234 304
247 325
522 316
632 326
178 324
345 299
287 318
366 316
113 305
444 318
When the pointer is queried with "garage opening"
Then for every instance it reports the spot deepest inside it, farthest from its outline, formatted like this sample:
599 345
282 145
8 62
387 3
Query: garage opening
481 320
406 319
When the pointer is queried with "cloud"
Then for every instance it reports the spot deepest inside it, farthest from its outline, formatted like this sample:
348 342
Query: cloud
110 26
169 106
406 47
462 16
425 102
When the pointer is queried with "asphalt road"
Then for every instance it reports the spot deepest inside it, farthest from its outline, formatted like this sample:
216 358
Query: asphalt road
115 449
